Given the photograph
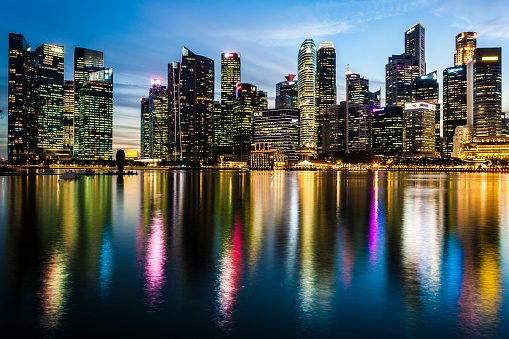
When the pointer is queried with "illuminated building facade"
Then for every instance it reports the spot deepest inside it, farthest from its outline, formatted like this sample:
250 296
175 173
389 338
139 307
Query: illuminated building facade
325 91
426 90
279 129
192 82
247 101
85 61
68 115
338 128
230 76
51 96
158 120
307 91
492 147
94 124
487 87
466 43
454 105
287 93
387 130
360 103
400 74
419 132
415 45
144 129
173 107
23 99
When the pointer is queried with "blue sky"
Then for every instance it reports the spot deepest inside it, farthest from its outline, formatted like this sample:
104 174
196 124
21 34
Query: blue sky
139 39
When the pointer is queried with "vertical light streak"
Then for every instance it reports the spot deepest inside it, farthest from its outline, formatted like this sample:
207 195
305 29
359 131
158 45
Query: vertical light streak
231 270
154 262
55 289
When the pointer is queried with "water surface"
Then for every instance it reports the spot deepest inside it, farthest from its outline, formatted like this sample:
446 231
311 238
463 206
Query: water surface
260 254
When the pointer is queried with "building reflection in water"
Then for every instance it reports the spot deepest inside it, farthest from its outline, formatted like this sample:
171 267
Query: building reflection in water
151 239
231 270
55 288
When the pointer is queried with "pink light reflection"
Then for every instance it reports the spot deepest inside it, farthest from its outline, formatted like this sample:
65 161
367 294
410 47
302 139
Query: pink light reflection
155 260
230 275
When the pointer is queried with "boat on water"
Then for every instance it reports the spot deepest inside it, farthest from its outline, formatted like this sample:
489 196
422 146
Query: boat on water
70 175
49 171
89 172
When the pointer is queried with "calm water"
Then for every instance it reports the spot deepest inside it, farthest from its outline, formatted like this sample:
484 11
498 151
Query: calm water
260 254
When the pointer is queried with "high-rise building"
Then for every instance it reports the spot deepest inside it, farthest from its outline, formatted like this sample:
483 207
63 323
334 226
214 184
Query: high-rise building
279 129
419 132
415 45
287 93
247 101
402 70
94 124
487 91
338 132
173 107
426 90
144 129
360 103
325 91
192 82
69 115
387 130
23 99
466 43
307 103
454 104
51 96
230 76
85 61
158 120
400 74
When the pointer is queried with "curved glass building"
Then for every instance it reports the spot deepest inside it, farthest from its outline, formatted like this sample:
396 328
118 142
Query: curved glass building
307 104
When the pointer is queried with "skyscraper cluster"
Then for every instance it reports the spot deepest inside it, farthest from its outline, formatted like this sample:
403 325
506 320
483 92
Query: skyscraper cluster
50 116
411 124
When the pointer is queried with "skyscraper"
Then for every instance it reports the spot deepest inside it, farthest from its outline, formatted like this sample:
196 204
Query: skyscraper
278 128
194 98
173 107
402 70
338 132
454 104
415 45
247 101
400 74
158 120
23 99
487 81
94 124
69 115
230 76
287 93
307 104
419 132
85 61
144 129
387 131
426 90
360 103
466 43
51 96
325 90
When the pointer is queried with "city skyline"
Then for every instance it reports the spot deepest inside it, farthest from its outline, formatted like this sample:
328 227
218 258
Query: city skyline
269 51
